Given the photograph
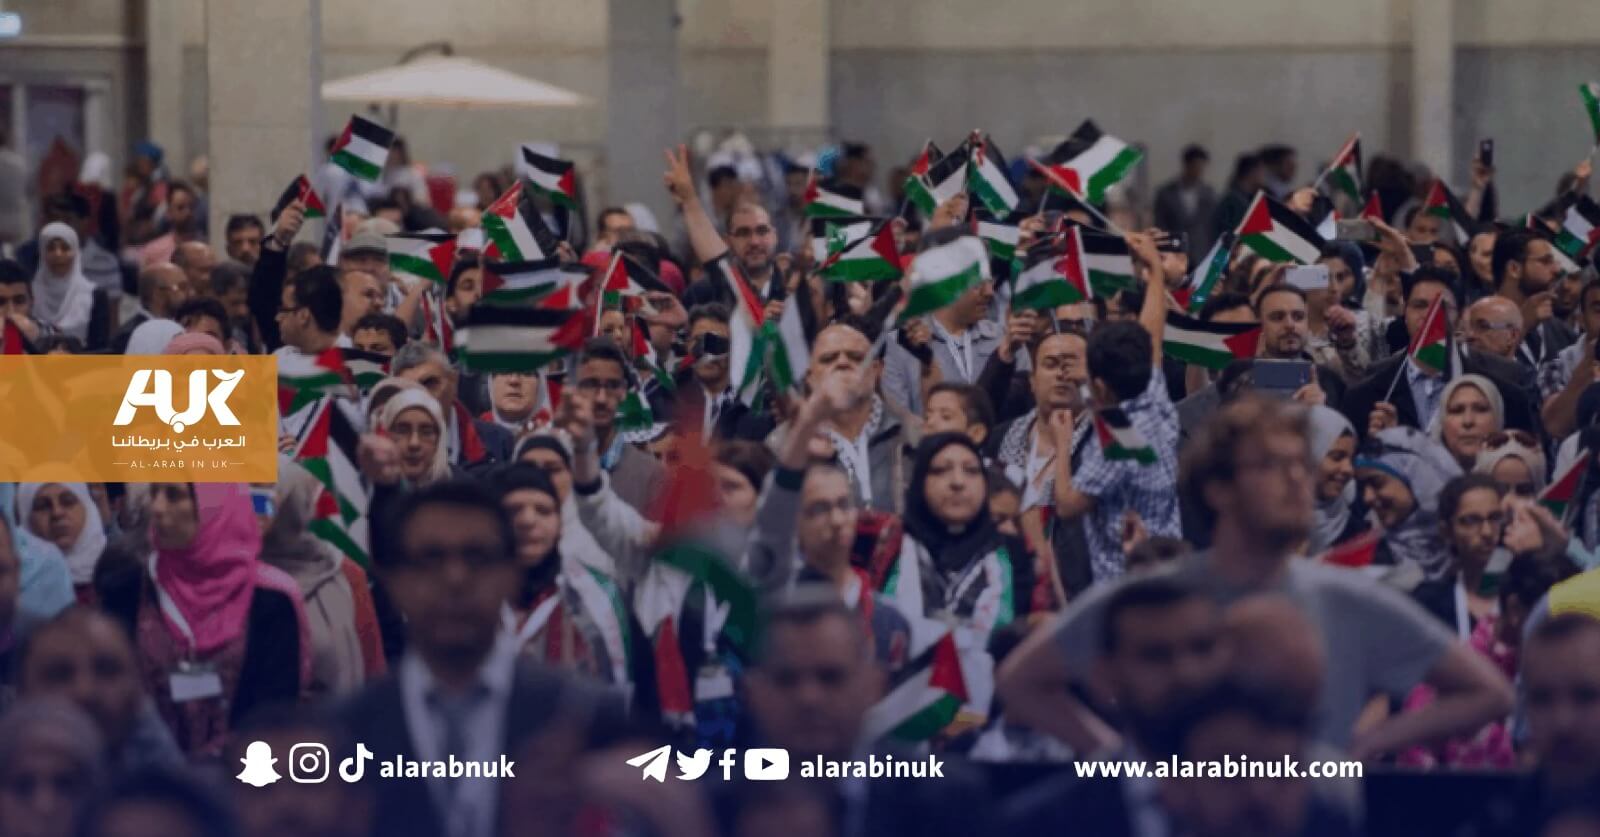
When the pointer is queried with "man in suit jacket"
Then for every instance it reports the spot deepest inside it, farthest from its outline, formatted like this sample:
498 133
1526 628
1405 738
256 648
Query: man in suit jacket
162 288
461 690
1420 383
1186 203
809 692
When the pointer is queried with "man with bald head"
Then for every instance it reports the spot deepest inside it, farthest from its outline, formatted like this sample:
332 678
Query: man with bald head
1493 325
363 295
162 288
196 260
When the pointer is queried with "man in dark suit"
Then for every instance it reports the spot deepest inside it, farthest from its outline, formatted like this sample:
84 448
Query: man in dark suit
1416 397
1186 203
809 692
472 442
702 393
162 288
461 690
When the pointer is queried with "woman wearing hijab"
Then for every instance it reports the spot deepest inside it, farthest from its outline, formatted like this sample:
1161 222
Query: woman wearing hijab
1516 461
218 632
194 343
1401 472
548 451
1470 409
1333 446
44 586
412 419
952 564
568 614
51 761
151 337
62 296
64 514
346 645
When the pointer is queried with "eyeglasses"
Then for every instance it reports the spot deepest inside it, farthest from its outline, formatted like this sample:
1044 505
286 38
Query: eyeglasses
821 509
1485 325
1501 438
594 385
426 432
761 230
1474 521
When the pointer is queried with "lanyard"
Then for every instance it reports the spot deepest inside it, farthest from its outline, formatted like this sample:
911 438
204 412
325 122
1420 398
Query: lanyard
960 349
170 608
535 621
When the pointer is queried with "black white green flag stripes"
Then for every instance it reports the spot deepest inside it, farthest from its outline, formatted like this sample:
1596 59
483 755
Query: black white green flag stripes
1054 276
941 274
936 178
1344 172
1580 229
1277 233
424 256
1208 274
552 177
873 258
989 179
522 282
363 148
516 229
1590 91
1102 163
831 199
498 338
830 235
1002 238
1119 439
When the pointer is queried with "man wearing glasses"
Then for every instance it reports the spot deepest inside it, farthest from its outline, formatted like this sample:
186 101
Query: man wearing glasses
603 377
751 243
1493 325
1526 271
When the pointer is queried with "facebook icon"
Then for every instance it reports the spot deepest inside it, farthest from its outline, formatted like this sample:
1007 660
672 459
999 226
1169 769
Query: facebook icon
726 763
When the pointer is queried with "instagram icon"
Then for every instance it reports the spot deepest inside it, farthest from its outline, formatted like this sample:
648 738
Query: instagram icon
308 763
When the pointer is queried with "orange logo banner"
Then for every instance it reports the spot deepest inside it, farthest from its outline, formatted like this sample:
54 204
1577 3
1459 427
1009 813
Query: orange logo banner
116 418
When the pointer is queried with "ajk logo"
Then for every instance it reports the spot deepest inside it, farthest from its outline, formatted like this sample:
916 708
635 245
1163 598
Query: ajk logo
201 396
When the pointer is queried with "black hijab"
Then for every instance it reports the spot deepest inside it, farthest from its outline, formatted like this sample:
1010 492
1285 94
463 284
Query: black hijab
950 550
518 477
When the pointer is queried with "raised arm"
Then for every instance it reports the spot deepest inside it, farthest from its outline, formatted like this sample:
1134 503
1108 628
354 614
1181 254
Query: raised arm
703 236
266 279
1153 314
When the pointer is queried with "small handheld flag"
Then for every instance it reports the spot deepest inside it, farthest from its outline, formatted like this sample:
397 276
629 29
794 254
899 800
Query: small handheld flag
1119 439
552 178
1590 92
363 148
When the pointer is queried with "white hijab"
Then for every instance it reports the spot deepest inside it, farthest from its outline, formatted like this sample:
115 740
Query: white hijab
62 301
419 398
85 552
151 337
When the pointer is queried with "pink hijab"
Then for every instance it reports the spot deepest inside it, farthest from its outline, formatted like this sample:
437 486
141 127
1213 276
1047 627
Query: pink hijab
195 343
212 580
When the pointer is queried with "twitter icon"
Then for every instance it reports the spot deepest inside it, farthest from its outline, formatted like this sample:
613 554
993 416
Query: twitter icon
695 766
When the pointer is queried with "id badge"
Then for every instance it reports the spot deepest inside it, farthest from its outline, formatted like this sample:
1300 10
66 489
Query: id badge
712 683
195 681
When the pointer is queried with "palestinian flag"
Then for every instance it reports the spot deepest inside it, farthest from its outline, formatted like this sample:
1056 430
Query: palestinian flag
1356 552
1055 275
830 200
11 340
634 413
988 179
1431 346
498 338
1373 210
1209 344
926 700
526 281
335 372
626 278
422 256
936 178
552 178
516 230
299 189
1119 439
1103 162
1558 497
1344 172
1002 238
940 275
1277 233
1442 204
1208 274
788 351
828 233
1590 91
363 149
1108 262
326 446
333 237
745 358
437 328
1580 229
874 258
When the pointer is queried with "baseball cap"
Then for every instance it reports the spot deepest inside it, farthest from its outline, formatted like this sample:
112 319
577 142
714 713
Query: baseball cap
367 241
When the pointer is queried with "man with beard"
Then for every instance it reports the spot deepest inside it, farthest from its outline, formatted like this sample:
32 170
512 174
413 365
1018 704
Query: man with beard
1285 335
1251 469
1526 272
1161 644
751 242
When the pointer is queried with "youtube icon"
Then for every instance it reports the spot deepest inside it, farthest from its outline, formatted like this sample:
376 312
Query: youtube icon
766 764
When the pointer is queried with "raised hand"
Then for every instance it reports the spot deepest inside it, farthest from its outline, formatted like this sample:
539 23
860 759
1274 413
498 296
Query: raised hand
289 221
678 178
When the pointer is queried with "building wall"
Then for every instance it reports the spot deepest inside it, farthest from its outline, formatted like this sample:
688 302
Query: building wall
1229 73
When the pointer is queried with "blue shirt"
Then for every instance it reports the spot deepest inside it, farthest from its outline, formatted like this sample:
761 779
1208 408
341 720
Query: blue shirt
1426 391
1120 485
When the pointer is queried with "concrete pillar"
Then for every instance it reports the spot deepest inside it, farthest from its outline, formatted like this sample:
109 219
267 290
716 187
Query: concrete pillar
261 61
1433 66
797 69
164 90
641 102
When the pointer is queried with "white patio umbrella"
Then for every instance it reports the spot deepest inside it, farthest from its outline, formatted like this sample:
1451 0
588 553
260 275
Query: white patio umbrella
449 81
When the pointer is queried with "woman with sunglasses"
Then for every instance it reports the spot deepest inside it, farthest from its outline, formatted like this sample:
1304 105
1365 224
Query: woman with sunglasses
1401 472
1470 409
1516 462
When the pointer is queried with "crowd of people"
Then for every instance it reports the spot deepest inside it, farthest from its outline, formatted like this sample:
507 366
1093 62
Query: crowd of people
571 564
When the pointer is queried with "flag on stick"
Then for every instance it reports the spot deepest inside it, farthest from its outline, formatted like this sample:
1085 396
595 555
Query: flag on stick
552 178
422 256
515 228
363 148
1103 162
830 200
1590 91
1208 274
941 274
1119 439
498 338
299 189
988 179
1344 172
873 258
1209 344
1277 233
1055 275
1558 497
1442 204
936 178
